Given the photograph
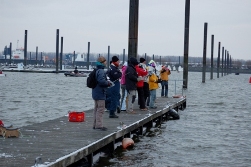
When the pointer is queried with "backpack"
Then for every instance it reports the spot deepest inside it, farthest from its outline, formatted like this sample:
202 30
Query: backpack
91 81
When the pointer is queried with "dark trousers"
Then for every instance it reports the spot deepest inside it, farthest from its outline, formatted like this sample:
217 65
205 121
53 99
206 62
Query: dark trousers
141 98
146 92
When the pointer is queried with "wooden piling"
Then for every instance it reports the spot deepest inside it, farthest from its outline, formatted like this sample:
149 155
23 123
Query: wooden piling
36 54
41 58
212 56
10 52
25 47
30 58
186 44
225 63
61 53
74 57
133 29
222 61
108 57
57 49
88 56
204 53
123 56
218 61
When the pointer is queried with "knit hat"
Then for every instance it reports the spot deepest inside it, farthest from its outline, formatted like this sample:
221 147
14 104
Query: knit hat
133 61
101 59
141 60
152 63
115 59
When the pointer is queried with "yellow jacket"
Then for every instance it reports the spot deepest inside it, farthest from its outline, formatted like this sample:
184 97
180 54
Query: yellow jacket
164 74
153 82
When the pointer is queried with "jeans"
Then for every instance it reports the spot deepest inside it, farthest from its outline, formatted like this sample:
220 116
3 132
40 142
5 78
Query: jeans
152 97
123 89
131 99
164 88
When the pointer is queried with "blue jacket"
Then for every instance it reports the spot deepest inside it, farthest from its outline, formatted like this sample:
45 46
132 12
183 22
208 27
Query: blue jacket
114 73
99 92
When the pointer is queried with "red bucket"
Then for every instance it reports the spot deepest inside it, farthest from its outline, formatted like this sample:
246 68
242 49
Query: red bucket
75 116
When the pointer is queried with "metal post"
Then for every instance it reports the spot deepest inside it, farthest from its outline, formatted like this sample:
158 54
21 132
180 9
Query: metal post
218 61
57 49
204 53
145 57
186 44
212 56
61 53
25 47
88 56
133 29
153 56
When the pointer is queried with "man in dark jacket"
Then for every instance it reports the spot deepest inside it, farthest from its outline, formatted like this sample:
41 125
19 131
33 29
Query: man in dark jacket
113 93
131 77
99 94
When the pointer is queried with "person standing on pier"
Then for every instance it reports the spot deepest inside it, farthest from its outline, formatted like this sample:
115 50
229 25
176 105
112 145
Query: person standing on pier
99 94
164 81
114 92
140 87
153 84
131 83
146 85
123 89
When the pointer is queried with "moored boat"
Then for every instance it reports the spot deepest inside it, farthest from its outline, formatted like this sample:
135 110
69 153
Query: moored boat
72 74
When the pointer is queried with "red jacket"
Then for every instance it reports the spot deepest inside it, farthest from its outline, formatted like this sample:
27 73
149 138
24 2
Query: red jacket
141 72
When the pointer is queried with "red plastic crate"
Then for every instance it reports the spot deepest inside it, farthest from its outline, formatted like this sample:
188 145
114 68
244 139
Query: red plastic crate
75 116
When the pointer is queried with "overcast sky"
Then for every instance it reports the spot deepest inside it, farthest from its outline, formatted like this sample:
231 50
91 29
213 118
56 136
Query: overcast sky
105 23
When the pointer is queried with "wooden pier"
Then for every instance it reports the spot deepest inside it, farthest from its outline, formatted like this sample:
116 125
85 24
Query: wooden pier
60 143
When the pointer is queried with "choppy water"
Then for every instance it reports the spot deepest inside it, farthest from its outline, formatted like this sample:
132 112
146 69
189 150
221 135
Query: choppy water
214 129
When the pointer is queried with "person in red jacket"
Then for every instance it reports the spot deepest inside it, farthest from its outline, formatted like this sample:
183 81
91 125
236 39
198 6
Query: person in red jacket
140 84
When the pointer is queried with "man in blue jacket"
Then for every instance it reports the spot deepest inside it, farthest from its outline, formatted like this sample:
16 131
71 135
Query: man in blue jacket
113 93
99 94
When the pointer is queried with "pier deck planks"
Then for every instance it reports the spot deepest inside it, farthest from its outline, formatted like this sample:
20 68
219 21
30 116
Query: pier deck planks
60 139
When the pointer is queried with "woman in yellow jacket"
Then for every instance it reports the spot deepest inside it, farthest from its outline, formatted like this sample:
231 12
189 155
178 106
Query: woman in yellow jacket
153 86
164 80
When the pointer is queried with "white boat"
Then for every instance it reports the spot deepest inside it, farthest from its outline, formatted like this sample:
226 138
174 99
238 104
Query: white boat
17 54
